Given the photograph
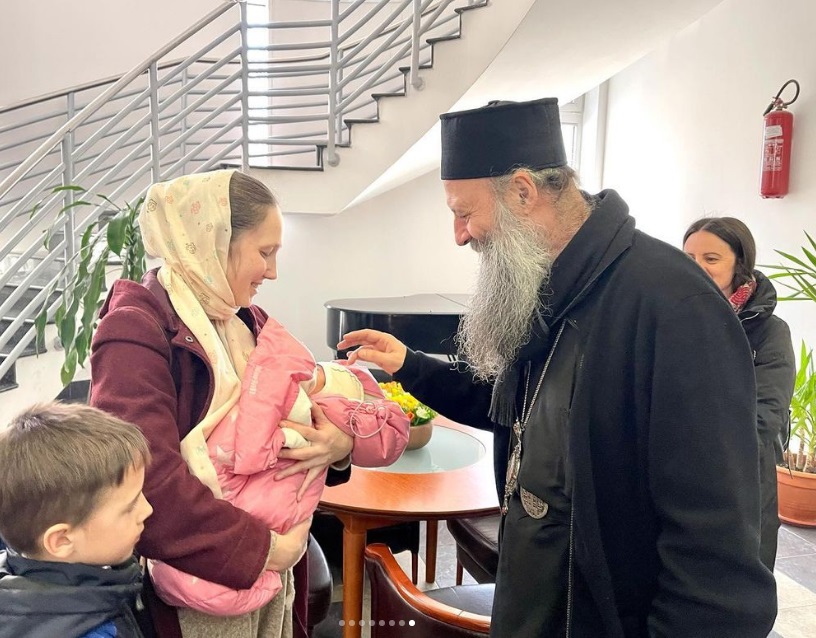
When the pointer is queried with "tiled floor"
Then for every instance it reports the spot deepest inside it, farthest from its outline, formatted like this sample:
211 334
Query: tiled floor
795 578
796 583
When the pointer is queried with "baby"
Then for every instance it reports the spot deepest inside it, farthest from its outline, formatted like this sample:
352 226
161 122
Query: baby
281 381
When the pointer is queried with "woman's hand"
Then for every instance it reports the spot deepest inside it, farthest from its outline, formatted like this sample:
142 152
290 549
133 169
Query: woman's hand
379 348
288 548
327 444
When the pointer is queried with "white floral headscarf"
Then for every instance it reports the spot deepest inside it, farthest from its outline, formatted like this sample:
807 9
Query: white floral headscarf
186 222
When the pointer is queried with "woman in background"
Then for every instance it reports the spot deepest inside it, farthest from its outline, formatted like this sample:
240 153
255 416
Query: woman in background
725 249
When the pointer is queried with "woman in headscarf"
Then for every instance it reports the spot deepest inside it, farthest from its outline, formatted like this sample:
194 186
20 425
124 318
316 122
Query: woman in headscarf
724 248
169 355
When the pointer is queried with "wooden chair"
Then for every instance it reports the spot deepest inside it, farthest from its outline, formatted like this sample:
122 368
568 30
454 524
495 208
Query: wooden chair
451 612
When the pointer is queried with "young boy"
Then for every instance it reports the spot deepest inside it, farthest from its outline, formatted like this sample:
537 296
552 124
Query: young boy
71 512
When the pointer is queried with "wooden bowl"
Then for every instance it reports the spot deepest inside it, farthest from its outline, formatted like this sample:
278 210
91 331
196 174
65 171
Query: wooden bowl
419 435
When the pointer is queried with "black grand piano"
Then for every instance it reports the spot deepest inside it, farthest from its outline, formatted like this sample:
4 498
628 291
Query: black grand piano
422 322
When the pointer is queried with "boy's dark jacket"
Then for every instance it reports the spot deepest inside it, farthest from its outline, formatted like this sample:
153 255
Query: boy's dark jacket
41 599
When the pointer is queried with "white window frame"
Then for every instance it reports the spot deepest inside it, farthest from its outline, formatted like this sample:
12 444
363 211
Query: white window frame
572 117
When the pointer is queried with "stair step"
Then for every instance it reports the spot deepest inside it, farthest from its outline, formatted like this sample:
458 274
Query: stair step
28 295
377 96
43 279
30 349
75 392
422 67
9 380
442 38
471 7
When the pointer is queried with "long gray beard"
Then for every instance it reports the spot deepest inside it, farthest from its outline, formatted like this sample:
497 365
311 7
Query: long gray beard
515 262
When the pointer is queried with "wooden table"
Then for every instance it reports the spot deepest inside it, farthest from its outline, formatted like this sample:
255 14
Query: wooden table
375 498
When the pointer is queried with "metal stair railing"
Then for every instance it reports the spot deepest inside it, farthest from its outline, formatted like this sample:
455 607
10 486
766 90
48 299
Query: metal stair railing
123 136
309 96
230 102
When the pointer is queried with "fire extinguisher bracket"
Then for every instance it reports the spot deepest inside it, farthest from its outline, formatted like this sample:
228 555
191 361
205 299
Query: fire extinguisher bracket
778 103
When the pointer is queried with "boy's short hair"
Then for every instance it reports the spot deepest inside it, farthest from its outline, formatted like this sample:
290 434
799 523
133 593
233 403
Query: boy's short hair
56 461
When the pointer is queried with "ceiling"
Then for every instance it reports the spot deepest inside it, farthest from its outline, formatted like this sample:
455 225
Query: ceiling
560 50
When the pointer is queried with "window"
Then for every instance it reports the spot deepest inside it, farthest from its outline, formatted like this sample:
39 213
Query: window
571 117
258 13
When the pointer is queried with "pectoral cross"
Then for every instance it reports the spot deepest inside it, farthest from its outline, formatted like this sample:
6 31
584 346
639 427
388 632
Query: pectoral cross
513 466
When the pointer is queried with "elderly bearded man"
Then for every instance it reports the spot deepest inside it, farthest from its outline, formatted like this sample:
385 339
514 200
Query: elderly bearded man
620 389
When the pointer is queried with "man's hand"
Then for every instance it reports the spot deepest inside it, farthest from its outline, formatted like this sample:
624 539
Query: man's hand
379 348
288 548
327 444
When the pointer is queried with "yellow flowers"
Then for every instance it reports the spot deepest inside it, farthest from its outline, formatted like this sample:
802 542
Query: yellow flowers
419 413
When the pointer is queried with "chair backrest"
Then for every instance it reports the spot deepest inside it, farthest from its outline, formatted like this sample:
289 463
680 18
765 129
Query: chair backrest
395 598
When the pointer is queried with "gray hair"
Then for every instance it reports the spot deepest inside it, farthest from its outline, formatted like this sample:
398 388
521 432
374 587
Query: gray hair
555 181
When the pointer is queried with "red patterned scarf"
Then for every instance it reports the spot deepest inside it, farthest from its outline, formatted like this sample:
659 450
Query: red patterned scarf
742 295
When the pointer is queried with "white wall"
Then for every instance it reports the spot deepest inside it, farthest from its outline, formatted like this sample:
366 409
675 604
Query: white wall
685 129
399 243
56 44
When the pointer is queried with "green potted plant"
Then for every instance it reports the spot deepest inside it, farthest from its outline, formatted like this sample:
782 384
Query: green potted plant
115 237
803 415
796 477
420 415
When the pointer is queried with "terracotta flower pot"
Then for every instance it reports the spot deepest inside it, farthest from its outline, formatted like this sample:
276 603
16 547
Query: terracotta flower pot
419 435
797 497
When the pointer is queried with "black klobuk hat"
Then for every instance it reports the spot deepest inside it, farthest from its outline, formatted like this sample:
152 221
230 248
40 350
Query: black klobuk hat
495 139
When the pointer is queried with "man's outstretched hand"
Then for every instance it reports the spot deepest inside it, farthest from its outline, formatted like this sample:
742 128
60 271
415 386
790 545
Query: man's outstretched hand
379 348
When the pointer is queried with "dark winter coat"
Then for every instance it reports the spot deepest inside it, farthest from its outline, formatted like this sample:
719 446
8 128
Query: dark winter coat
149 369
653 389
775 369
39 599
774 363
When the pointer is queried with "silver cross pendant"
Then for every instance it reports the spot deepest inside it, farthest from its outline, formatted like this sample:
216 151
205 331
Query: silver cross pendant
513 466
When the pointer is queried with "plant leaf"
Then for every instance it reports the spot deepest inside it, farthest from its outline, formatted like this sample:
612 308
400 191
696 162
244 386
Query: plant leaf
81 343
810 256
803 402
111 202
74 204
792 258
116 233
67 330
68 367
39 324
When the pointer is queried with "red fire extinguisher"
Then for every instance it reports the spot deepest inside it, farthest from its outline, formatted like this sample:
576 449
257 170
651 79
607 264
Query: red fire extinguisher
777 139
